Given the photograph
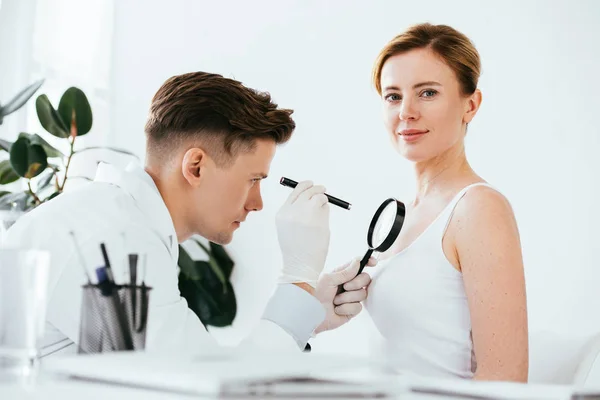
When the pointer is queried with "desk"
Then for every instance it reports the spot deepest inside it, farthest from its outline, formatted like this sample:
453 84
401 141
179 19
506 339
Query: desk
57 388
65 389
184 378
50 387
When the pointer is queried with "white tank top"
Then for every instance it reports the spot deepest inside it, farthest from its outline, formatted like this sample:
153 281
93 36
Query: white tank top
418 303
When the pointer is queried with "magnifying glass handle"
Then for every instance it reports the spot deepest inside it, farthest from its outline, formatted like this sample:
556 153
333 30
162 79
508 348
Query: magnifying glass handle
362 264
364 261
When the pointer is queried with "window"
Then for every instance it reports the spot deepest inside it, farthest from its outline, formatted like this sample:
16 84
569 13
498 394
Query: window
72 46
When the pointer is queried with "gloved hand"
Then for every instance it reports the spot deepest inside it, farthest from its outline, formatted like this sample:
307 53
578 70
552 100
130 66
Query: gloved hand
341 308
303 233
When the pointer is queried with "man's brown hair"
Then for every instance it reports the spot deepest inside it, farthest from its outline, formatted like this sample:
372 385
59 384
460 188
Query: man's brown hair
218 114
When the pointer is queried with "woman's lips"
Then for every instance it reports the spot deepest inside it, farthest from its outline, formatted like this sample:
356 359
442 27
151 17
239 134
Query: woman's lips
411 135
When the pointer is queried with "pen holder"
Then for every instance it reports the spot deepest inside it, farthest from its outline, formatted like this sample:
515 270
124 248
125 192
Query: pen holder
114 319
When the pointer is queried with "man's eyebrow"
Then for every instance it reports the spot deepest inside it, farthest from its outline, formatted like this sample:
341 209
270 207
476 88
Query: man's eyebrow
416 86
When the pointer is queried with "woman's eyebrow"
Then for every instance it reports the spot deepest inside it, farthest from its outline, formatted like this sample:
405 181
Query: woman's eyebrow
416 86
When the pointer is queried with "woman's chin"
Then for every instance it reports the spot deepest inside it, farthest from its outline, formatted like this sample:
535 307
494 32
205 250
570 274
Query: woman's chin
412 155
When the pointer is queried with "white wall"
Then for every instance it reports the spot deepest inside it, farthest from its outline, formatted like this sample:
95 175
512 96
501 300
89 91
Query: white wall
535 138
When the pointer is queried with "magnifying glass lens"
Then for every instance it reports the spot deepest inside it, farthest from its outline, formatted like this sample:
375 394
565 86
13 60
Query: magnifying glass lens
384 228
384 224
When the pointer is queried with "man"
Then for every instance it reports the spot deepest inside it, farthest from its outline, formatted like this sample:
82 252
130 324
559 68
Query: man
210 142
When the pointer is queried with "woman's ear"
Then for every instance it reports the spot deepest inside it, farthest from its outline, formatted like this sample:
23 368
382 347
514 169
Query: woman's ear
472 106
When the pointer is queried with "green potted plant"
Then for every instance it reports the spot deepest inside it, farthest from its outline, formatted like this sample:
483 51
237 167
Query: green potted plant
44 170
206 285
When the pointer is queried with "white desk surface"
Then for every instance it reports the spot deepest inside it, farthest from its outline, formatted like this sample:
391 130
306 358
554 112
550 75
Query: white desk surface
65 389
62 388
168 373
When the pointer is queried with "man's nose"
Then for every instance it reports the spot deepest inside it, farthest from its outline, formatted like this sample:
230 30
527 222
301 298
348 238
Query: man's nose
255 201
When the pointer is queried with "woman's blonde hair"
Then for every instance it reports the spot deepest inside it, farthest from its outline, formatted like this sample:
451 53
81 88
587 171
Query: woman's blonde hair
453 47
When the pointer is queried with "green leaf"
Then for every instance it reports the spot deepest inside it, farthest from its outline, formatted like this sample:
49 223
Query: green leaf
212 308
45 181
213 263
22 200
212 300
20 99
7 173
5 144
27 159
53 195
50 150
197 299
74 109
49 117
222 258
188 265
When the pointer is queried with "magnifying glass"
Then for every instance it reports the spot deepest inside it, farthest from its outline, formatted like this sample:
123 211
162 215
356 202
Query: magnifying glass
385 227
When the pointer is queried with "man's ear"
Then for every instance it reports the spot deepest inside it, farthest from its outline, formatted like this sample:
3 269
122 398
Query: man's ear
194 160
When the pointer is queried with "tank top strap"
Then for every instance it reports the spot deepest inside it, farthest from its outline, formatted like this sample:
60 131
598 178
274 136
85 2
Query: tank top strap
446 215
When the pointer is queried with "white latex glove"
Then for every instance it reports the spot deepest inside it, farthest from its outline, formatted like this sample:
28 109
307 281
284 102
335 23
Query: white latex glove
341 308
303 233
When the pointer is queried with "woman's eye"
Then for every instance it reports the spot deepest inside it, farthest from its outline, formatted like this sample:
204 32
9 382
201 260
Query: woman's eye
429 93
392 97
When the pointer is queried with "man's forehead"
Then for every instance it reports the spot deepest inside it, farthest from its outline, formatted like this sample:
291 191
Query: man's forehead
257 162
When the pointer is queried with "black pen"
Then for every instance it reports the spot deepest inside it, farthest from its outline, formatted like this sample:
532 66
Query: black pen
143 314
116 302
333 200
109 275
133 261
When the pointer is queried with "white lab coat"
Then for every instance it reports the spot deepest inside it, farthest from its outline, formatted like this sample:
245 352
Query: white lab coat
124 209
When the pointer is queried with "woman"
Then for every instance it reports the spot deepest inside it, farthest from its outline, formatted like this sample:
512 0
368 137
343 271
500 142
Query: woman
449 299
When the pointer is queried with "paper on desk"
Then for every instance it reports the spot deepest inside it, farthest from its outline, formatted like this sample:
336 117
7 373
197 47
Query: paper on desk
248 372
210 374
491 390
